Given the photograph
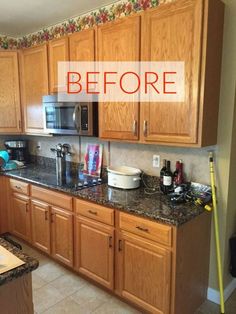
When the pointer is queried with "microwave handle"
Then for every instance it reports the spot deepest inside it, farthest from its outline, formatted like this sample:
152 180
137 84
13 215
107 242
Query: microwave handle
77 117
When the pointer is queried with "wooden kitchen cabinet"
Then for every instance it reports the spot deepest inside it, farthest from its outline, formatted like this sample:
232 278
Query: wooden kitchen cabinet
34 84
144 273
62 235
58 50
10 107
20 216
94 250
189 31
82 45
4 204
40 216
119 41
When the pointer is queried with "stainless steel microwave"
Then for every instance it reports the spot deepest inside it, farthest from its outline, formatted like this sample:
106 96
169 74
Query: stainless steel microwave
70 118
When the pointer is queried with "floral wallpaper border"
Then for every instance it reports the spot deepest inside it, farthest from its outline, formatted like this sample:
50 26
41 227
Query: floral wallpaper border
100 16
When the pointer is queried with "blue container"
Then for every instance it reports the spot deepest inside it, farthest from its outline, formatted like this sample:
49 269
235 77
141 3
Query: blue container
4 158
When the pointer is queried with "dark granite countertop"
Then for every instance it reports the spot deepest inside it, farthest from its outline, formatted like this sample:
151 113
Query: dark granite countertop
155 206
30 263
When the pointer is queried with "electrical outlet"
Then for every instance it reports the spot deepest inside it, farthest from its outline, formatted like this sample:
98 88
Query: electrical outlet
156 161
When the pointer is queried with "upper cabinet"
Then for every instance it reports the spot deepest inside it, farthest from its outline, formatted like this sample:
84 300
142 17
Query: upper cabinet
119 41
185 30
34 84
58 51
189 31
82 46
10 110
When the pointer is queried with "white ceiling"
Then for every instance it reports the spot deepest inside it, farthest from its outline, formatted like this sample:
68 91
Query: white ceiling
21 17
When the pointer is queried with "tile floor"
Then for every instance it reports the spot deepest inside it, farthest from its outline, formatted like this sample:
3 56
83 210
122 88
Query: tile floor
56 290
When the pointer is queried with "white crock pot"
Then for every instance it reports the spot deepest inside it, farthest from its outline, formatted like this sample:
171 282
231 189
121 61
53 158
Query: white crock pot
124 177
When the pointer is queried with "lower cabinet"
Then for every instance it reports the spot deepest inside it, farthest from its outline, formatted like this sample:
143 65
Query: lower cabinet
52 231
142 261
20 216
94 247
41 225
144 273
62 235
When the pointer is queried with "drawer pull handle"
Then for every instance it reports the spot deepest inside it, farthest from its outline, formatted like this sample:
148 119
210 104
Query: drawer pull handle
17 187
46 215
110 242
120 245
142 229
92 212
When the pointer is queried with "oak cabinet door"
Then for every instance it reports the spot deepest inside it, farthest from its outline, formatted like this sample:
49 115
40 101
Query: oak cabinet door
144 273
10 108
4 204
119 41
172 32
58 51
94 251
20 217
34 83
40 225
82 46
62 235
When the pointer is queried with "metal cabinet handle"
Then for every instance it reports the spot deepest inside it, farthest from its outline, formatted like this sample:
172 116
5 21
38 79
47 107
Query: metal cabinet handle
135 127
120 245
26 207
46 214
17 187
92 212
142 229
52 217
110 242
145 128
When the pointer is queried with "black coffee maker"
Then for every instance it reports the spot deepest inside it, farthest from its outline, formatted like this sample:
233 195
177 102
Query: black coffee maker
18 150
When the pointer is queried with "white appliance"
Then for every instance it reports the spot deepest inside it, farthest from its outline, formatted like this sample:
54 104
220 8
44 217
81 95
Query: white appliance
124 177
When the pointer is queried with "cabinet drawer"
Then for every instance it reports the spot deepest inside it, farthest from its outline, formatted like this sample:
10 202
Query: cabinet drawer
52 198
94 211
19 186
147 229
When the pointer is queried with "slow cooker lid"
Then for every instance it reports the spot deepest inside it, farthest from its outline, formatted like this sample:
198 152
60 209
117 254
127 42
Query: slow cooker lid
124 170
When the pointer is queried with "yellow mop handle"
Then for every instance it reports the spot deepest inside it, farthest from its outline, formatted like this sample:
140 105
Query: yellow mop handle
216 225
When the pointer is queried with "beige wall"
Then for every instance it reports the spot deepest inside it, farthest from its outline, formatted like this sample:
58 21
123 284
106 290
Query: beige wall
137 155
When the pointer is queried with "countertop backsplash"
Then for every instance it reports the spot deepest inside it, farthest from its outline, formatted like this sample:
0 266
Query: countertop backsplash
195 160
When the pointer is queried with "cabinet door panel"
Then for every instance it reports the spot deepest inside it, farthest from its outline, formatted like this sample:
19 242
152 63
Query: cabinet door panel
62 235
10 111
119 41
173 33
58 51
20 217
94 251
34 69
82 46
145 273
4 204
40 226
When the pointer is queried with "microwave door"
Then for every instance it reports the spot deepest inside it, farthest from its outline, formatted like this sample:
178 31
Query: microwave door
77 118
